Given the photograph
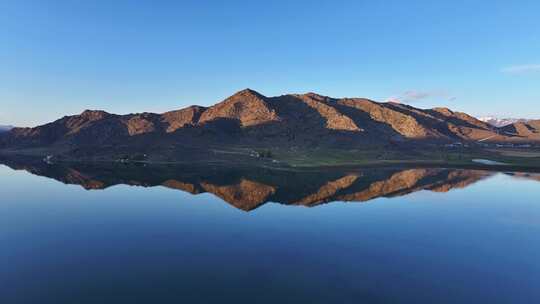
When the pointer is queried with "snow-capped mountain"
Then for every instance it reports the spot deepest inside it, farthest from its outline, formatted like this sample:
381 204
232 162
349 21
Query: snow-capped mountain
500 122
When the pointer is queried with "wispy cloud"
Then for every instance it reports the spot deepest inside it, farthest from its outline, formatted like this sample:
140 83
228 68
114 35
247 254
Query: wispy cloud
416 95
412 96
521 69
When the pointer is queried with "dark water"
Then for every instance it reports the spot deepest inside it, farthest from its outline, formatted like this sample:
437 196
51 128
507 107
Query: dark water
222 235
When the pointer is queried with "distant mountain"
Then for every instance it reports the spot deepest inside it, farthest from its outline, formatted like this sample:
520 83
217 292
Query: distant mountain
524 129
4 128
500 122
250 119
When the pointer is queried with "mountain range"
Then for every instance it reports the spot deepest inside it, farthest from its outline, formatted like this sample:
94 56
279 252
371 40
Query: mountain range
501 122
251 120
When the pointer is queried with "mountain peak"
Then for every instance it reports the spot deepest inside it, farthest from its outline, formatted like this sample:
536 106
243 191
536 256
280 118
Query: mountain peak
316 96
94 114
247 106
444 111
313 94
248 92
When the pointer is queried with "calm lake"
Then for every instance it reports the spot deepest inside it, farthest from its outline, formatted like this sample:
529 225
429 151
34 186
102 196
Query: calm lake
138 234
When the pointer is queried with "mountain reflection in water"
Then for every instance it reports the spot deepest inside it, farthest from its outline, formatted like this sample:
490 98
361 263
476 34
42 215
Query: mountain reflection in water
249 188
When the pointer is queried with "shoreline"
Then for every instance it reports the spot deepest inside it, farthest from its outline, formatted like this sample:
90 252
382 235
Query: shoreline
286 166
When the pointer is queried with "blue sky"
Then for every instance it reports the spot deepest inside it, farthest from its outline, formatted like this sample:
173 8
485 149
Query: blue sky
61 57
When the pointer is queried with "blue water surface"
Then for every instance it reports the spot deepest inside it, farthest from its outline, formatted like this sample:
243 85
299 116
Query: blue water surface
127 244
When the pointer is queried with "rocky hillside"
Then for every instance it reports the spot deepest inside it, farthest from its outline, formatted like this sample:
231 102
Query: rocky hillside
251 119
527 130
